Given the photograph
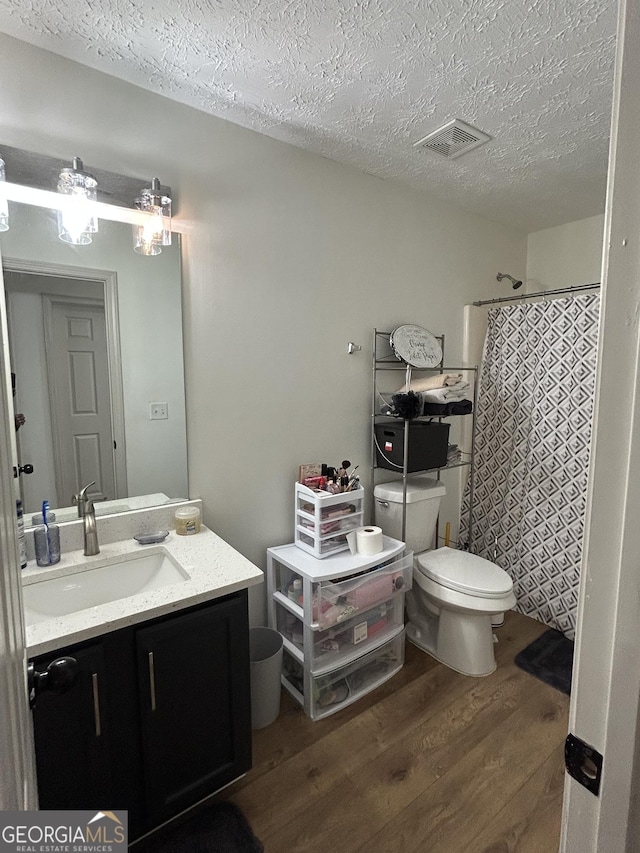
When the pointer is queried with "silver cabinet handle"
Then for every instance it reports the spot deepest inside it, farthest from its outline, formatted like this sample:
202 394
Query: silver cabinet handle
96 704
152 682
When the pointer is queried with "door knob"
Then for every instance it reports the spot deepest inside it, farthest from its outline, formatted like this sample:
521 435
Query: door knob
23 469
59 676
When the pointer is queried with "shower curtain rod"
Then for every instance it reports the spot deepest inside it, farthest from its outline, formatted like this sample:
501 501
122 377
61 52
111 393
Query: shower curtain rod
575 289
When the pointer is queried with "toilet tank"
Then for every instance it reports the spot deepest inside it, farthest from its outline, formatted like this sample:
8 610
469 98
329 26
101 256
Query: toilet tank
423 504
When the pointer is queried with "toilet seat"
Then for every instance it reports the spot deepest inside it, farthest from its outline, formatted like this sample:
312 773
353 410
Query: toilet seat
463 572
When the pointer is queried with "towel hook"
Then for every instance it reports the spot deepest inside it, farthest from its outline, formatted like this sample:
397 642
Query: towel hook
351 348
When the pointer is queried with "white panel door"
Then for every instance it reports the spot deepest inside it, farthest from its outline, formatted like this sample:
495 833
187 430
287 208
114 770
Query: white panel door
80 399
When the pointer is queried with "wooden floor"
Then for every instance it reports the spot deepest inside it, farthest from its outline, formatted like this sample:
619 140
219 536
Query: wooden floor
432 761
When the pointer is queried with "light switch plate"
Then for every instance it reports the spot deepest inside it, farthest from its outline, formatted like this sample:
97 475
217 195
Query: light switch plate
158 411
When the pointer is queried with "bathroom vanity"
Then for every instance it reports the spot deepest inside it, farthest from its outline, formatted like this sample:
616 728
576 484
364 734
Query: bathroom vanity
158 718
159 714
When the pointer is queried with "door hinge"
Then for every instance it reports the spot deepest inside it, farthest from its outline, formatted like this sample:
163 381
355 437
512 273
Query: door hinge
583 763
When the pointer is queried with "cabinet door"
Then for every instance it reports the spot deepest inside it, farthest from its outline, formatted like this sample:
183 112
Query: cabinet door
71 734
195 704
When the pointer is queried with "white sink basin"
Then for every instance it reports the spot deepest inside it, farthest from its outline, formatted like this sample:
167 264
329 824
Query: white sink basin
131 575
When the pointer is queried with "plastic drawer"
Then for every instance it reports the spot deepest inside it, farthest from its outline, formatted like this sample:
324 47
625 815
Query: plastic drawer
338 645
321 547
340 687
337 601
341 644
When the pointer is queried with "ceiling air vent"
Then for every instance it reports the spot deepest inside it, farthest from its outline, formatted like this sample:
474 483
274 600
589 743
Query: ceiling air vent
453 139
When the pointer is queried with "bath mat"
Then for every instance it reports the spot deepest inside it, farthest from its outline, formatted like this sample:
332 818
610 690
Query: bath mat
221 828
549 658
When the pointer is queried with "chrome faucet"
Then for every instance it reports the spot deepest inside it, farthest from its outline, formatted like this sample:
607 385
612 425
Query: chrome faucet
87 513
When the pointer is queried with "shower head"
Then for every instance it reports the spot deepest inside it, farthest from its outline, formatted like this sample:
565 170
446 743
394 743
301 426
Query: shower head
514 281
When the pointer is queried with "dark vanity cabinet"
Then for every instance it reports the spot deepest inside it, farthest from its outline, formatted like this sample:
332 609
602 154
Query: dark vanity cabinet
72 736
159 716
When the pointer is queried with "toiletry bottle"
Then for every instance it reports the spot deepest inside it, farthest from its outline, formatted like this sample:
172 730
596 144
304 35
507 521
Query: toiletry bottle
22 544
295 590
332 482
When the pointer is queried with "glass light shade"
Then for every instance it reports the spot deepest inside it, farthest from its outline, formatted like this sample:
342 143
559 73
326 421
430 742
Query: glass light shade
77 222
148 239
143 242
4 204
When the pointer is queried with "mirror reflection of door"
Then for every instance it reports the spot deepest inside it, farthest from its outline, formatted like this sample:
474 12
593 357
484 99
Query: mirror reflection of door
76 353
58 340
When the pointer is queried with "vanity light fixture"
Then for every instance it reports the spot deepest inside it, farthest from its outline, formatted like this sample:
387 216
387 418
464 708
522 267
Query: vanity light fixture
148 239
77 220
4 204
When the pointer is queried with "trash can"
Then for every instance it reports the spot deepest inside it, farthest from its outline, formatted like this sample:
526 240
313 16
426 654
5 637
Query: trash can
265 652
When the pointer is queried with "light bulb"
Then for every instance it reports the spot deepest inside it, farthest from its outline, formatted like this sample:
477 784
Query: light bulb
148 239
76 221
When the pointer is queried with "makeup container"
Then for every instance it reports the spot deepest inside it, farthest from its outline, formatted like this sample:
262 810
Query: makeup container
187 520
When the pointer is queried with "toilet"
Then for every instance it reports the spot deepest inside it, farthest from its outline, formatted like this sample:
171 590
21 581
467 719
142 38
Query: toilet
456 596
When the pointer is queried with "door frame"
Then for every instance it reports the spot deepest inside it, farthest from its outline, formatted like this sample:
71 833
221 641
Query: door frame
17 757
109 280
604 710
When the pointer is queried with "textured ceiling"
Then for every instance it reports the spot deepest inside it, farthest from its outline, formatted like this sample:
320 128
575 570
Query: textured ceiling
359 82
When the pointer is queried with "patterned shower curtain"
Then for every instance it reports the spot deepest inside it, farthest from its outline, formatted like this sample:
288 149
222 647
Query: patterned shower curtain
533 431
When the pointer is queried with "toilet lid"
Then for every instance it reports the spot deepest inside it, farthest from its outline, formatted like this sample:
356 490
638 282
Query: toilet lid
465 572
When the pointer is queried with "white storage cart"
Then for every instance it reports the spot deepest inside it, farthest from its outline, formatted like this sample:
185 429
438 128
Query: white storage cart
343 625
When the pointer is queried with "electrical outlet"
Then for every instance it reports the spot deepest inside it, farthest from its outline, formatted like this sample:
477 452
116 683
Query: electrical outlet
158 411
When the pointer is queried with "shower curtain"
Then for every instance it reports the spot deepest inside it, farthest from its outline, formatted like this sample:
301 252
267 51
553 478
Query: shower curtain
533 431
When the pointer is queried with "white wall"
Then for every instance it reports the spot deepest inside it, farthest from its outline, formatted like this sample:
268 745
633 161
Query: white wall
567 255
288 257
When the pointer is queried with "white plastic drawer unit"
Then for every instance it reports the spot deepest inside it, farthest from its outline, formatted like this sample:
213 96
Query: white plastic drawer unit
340 687
341 619
340 600
344 641
322 520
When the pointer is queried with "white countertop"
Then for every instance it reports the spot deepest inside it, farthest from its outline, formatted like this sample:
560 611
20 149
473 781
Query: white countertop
214 568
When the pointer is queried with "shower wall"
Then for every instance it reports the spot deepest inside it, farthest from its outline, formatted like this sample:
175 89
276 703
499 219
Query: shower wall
567 255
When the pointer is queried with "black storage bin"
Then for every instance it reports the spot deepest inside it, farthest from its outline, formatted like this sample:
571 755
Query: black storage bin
428 445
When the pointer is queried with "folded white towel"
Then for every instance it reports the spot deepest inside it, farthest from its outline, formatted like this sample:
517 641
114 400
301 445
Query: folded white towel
450 394
427 383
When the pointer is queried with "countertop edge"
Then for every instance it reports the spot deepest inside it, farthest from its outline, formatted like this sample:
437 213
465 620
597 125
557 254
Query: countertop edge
214 569
96 629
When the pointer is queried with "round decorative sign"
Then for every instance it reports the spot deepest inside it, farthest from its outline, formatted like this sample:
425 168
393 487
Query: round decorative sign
416 346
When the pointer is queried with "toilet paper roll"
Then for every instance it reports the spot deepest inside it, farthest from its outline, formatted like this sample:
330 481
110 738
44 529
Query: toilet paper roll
366 541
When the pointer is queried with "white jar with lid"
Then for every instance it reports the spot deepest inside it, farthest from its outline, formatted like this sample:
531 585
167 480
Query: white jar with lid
187 520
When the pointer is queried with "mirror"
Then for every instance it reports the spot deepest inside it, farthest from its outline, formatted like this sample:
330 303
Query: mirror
95 339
